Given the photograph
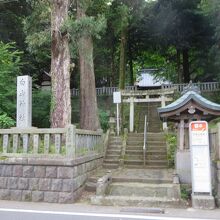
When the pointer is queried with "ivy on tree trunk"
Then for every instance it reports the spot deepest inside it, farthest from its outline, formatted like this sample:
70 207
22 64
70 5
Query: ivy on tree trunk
60 66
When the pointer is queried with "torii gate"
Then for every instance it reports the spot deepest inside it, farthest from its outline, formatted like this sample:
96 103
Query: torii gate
138 96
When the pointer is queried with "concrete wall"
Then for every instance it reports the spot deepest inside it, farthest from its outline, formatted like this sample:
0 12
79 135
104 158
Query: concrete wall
183 166
41 179
218 183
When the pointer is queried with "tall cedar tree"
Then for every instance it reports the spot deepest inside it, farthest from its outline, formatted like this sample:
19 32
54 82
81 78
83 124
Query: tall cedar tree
60 66
88 101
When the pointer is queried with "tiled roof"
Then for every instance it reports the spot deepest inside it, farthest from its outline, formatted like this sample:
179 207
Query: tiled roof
190 95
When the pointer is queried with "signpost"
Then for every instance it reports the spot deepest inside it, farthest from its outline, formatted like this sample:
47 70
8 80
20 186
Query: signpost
200 164
117 100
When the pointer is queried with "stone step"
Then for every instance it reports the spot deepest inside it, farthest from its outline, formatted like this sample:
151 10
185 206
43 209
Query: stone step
110 166
141 180
148 157
133 162
133 157
115 138
113 151
140 161
157 167
114 147
145 189
156 162
90 186
141 140
138 201
148 148
148 152
115 142
149 134
149 143
134 152
112 157
156 157
113 161
156 151
150 137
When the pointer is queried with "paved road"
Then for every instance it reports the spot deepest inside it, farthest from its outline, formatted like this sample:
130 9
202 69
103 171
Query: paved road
20 214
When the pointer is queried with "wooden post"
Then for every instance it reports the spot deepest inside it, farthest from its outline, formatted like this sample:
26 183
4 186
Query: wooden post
181 134
71 141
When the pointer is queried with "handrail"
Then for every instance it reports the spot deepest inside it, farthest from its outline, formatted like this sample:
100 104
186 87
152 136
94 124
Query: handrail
145 138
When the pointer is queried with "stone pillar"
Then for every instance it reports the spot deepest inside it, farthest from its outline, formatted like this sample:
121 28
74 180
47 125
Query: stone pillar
131 128
24 102
163 104
71 141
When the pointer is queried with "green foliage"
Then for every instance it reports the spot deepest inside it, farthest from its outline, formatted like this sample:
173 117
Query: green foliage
104 119
36 26
185 192
172 144
86 26
6 121
156 60
41 108
10 67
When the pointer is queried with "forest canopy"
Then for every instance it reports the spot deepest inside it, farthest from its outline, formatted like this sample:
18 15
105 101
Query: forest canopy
179 37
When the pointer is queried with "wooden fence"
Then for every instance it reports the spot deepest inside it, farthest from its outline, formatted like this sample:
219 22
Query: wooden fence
70 142
108 91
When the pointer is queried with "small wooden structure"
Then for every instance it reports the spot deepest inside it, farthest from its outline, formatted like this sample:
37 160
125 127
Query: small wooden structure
189 107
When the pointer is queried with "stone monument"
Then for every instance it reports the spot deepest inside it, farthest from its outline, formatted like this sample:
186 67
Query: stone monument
24 107
24 102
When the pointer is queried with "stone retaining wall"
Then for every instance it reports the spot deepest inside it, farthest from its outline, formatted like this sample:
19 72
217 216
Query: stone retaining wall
41 179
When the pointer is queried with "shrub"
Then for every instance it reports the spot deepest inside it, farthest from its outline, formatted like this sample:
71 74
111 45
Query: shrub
6 121
104 119
172 144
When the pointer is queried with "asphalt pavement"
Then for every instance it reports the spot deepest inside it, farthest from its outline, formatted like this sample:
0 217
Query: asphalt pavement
11 210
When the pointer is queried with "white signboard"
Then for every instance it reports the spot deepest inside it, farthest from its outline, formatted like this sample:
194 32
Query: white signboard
200 157
24 101
116 97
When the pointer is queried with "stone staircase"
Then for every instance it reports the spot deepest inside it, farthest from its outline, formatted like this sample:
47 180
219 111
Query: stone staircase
152 185
156 152
149 109
113 153
138 187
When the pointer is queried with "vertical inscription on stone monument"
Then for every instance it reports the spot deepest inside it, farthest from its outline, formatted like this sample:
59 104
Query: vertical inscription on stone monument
24 101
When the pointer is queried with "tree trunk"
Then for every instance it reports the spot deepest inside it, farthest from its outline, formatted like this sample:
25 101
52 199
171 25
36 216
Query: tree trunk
88 101
122 67
122 64
60 67
131 64
186 73
178 69
113 69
